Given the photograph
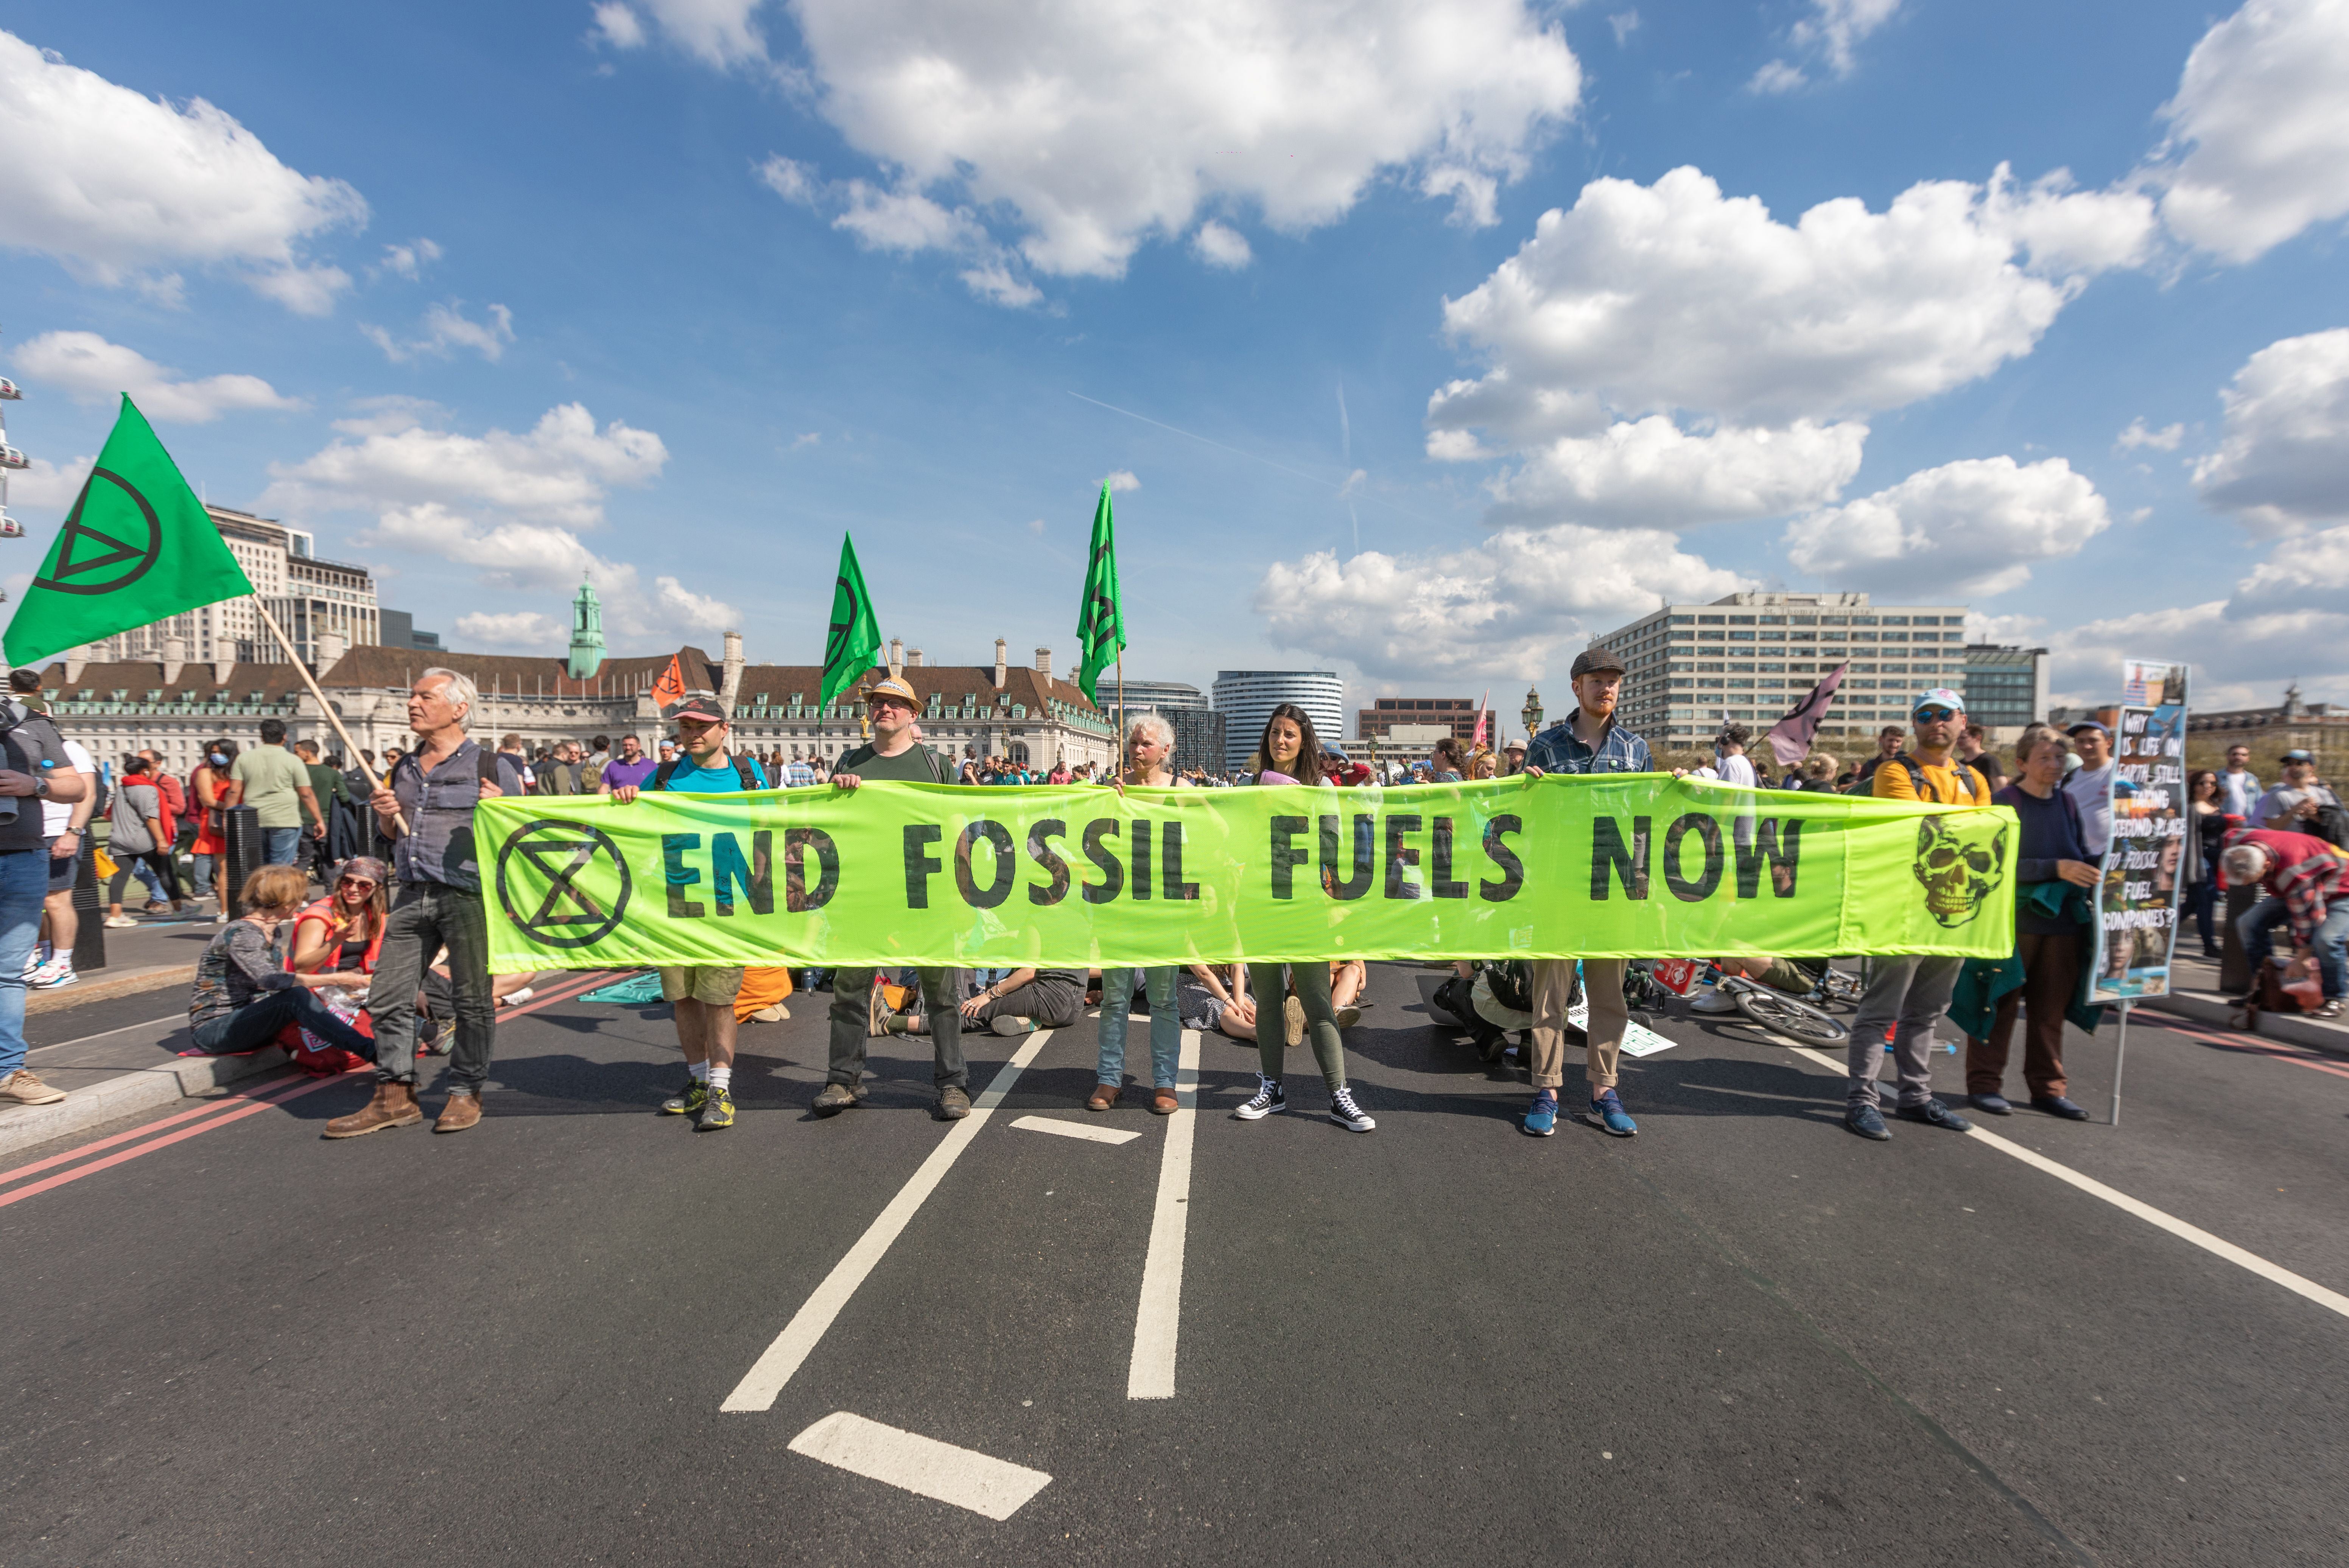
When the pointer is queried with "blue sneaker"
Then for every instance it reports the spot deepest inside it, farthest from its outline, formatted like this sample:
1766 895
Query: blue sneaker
1541 1122
1869 1122
1610 1112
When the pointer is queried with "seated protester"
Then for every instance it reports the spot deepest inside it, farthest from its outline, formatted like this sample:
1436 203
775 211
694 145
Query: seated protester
1208 1003
1028 999
243 993
2304 881
342 932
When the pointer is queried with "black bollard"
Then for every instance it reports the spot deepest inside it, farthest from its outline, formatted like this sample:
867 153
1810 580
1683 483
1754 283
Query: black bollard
90 905
248 851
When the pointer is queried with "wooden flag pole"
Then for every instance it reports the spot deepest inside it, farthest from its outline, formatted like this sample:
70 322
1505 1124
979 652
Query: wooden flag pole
1120 711
350 746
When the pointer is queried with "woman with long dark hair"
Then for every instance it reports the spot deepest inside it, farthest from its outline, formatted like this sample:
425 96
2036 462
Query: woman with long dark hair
213 792
1291 753
2206 827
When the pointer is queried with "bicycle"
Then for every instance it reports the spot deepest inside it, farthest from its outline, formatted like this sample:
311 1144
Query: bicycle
1782 1014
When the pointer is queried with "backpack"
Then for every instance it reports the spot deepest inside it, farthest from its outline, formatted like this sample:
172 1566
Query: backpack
742 770
2330 823
1965 771
1511 981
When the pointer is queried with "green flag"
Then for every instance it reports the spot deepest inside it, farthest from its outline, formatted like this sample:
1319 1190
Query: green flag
1100 619
136 549
854 637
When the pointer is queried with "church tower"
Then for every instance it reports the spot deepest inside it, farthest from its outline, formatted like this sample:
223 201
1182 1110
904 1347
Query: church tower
587 632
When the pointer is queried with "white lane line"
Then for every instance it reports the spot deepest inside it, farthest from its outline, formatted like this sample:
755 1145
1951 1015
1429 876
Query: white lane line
1074 1129
178 1020
765 1380
1160 1316
2217 1246
909 1460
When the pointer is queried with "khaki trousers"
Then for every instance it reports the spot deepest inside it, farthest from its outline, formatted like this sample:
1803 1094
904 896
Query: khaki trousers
1602 981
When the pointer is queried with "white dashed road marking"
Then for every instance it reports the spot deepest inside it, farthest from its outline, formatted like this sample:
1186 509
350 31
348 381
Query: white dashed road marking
915 1463
2215 1245
765 1381
1074 1129
1159 1317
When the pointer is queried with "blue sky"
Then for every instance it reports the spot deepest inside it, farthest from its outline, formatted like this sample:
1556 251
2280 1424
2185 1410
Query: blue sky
674 291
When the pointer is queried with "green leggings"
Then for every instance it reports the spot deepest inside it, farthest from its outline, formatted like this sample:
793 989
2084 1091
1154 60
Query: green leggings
1320 1019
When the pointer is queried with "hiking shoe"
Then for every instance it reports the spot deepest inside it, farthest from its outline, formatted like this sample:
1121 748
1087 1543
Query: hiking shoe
838 1097
1346 1113
1266 1099
1869 1122
716 1110
687 1100
2057 1105
1610 1112
1541 1122
1005 1024
954 1104
1990 1104
25 1087
1933 1113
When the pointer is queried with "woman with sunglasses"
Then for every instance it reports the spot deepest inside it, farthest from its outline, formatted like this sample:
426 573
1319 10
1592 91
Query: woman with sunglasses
344 931
1289 753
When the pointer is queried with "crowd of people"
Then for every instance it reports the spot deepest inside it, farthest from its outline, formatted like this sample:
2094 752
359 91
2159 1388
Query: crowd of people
392 962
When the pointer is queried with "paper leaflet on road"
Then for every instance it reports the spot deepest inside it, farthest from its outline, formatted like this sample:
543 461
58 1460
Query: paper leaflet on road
1638 1040
1624 865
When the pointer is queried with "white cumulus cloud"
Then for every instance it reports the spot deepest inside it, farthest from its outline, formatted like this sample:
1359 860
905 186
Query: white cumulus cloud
719 33
1517 605
558 471
120 188
1123 479
2282 462
1649 473
2259 140
1080 133
1834 26
2138 434
1972 527
528 631
410 261
446 329
1221 245
90 369
50 486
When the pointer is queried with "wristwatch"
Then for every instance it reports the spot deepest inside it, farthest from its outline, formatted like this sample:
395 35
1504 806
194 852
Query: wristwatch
41 785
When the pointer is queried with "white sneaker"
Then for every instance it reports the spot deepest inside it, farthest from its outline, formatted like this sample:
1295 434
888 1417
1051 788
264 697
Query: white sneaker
119 922
1711 1000
56 973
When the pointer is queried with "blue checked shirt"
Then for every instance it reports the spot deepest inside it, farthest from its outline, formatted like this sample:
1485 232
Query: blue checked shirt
798 775
1557 750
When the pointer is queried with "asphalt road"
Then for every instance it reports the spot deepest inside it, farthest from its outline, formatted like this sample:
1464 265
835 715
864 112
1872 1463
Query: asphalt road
1745 1337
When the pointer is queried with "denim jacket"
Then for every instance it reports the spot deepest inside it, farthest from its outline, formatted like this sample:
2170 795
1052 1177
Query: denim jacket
1558 750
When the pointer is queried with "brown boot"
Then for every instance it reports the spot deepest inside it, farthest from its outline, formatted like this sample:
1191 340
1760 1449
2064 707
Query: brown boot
1163 1103
462 1112
1104 1095
394 1105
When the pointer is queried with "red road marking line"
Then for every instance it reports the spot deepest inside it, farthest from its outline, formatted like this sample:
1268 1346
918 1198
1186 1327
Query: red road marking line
2296 1056
254 1108
595 977
208 1109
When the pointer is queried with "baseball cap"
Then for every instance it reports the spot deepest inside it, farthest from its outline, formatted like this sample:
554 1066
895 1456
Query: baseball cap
701 709
1941 696
2090 724
2298 756
1596 661
890 686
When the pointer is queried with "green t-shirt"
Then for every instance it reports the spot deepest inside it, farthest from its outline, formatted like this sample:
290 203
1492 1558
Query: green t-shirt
915 764
271 776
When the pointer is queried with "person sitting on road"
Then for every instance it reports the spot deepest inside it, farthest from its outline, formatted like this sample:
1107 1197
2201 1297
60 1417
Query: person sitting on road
1024 1001
343 933
1209 1004
703 993
245 995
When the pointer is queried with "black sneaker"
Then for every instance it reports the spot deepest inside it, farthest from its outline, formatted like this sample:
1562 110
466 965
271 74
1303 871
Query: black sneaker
1346 1113
1268 1099
687 1100
1933 1113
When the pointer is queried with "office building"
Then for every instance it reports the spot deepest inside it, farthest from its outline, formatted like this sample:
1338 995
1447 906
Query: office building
399 631
1749 658
1246 697
1456 714
1198 727
2005 688
315 600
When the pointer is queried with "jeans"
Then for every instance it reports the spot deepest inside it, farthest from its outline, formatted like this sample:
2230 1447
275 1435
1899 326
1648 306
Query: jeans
1908 995
203 865
1312 983
256 1024
2202 898
852 999
24 884
1166 1023
2331 938
426 917
1609 1015
161 875
283 844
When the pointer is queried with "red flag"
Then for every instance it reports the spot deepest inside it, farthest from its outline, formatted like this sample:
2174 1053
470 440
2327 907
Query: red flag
1790 737
670 690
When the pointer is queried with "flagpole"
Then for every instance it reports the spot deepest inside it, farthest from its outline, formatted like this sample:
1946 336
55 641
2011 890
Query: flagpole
1120 709
350 746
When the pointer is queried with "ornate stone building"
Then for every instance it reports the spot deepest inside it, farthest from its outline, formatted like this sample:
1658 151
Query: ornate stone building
1023 712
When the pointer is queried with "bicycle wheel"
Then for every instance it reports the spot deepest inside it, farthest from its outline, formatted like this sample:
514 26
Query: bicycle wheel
1796 1021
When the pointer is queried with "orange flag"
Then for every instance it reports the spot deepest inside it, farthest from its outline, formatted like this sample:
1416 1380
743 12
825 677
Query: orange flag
670 690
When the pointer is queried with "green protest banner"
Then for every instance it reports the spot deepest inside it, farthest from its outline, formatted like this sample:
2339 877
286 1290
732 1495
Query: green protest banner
1623 865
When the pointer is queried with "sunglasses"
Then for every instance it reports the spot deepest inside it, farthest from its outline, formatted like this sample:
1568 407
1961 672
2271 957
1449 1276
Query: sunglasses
362 883
1933 715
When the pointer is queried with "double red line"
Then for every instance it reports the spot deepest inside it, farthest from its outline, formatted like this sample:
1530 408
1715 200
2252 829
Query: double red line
216 1113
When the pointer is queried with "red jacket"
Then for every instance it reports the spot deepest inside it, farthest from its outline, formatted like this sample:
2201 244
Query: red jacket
2308 875
175 806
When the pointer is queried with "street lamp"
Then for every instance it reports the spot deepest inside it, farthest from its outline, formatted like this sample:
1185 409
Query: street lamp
1532 713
